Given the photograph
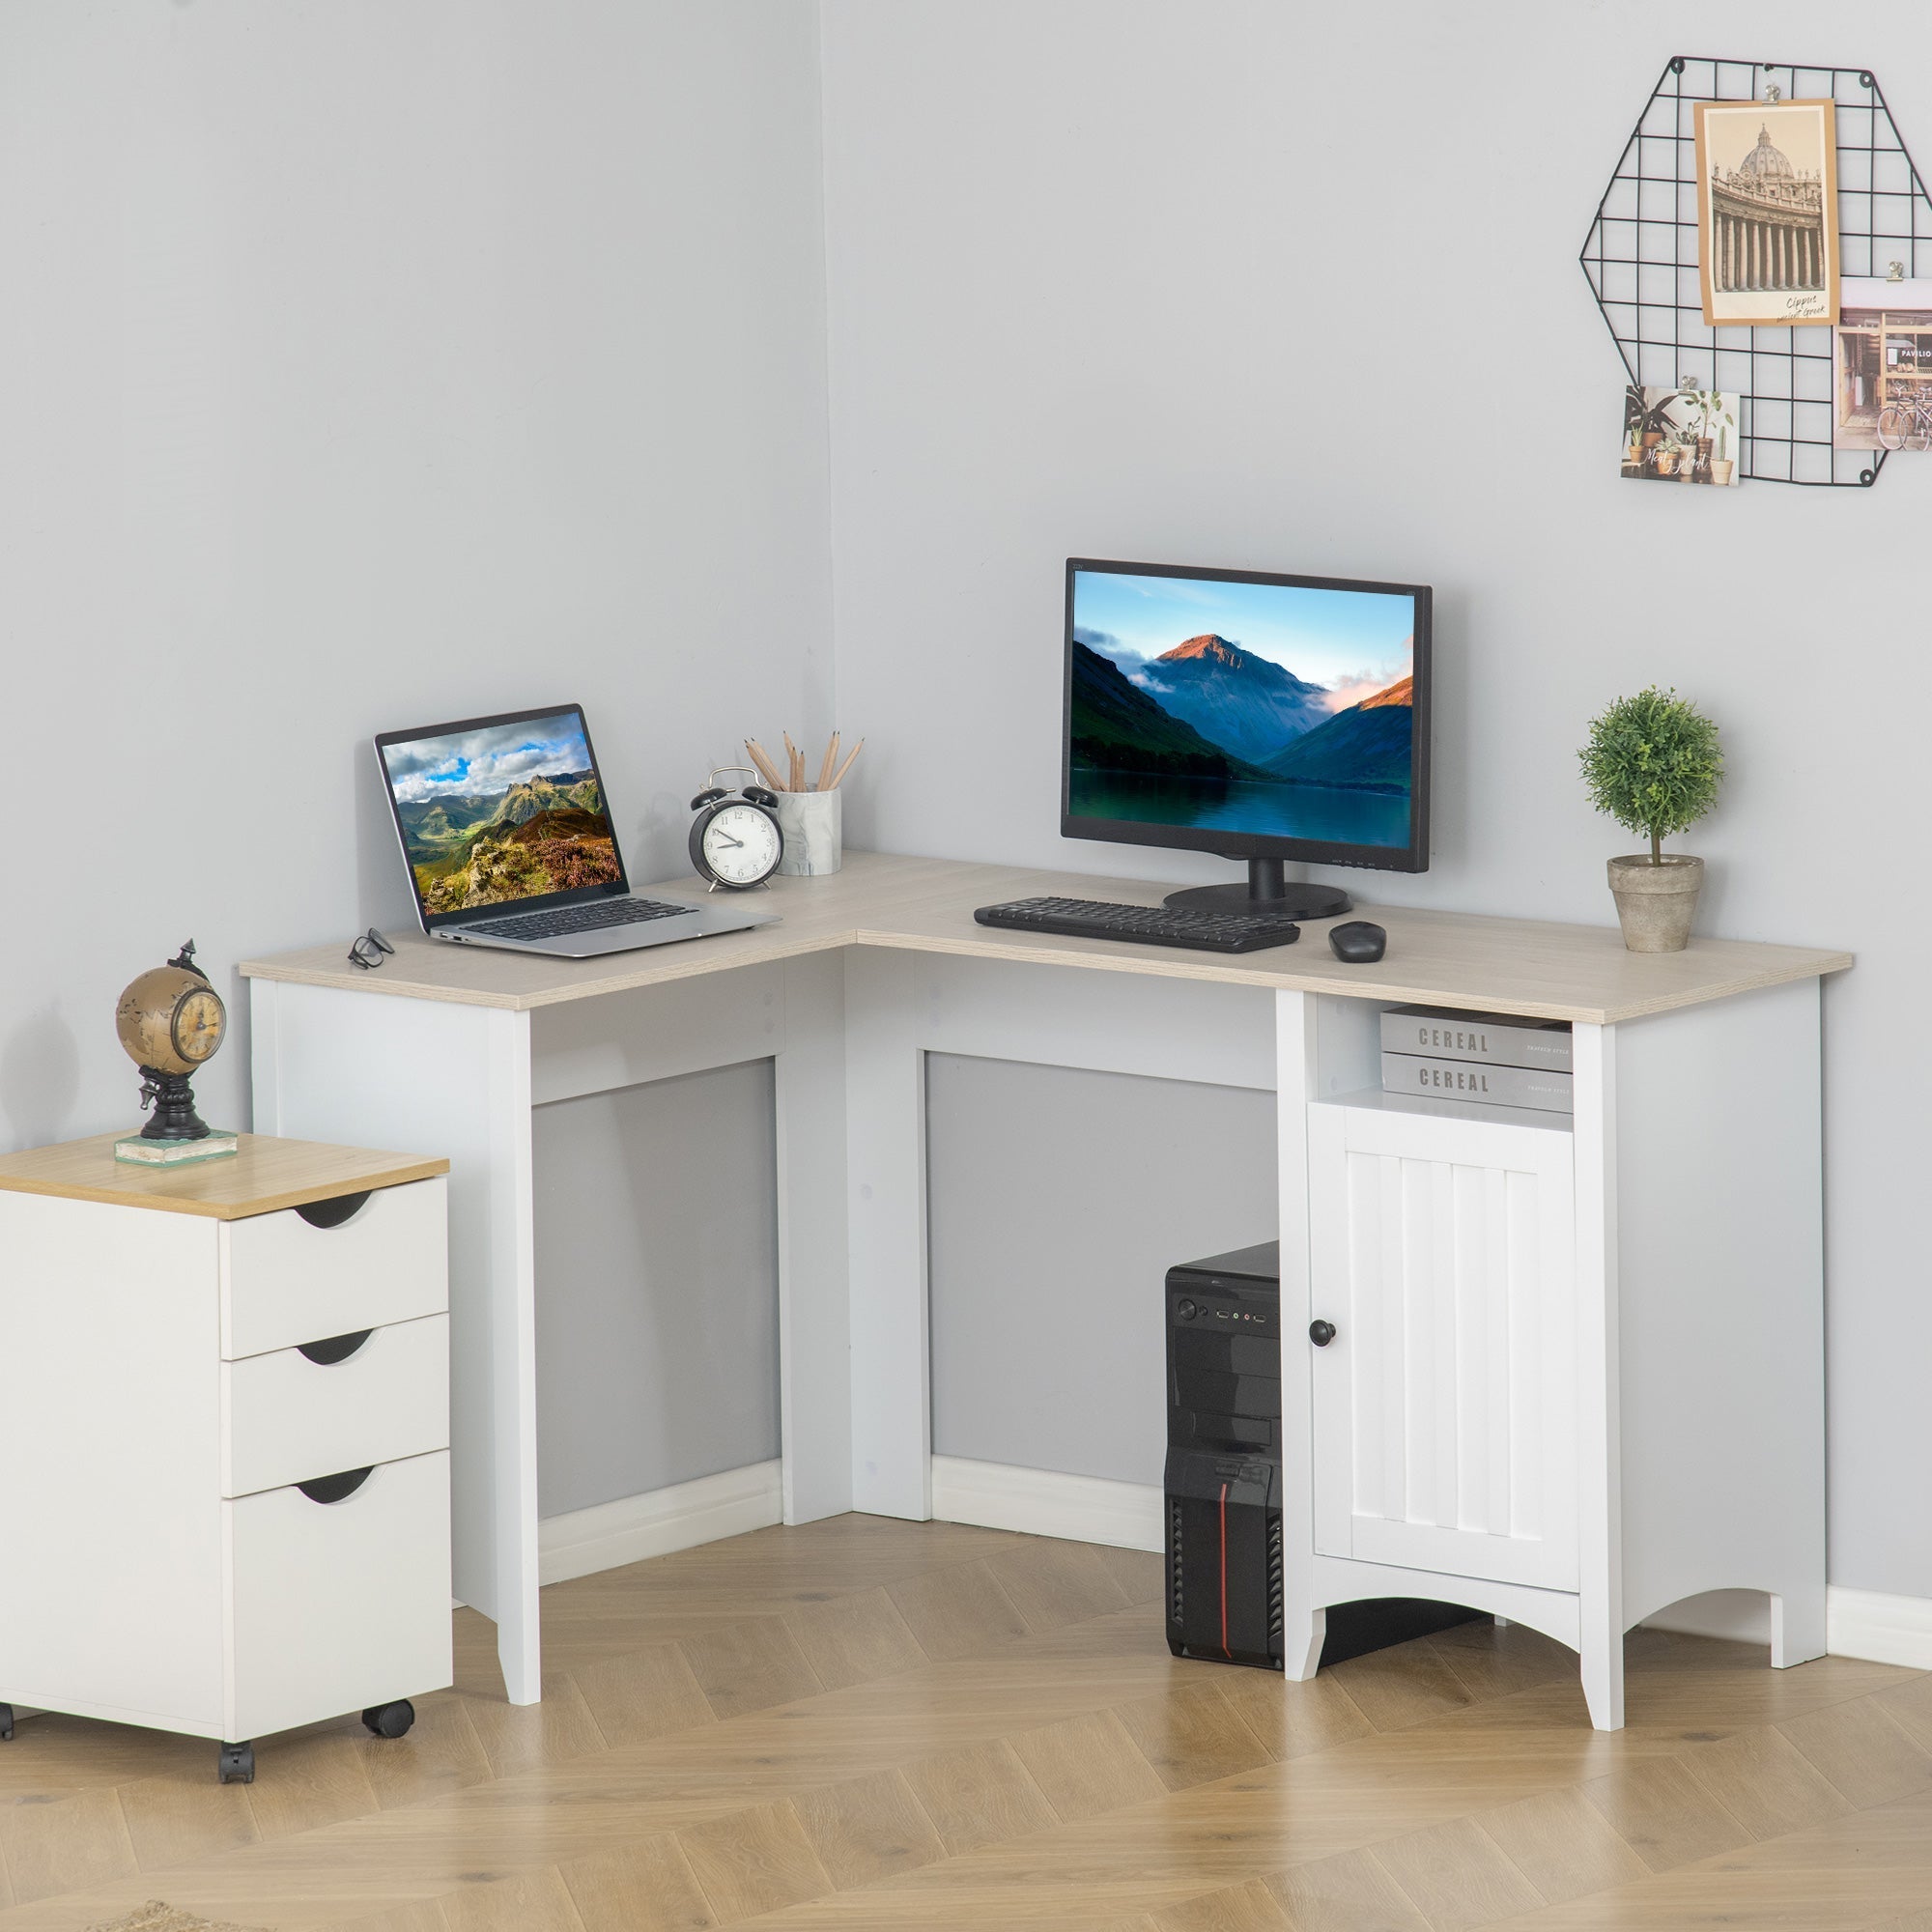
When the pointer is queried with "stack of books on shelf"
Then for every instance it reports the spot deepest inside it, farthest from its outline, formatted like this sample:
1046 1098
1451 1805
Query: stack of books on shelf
1496 1059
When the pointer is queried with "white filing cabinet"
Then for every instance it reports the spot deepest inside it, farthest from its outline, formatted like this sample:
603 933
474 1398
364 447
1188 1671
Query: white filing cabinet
225 1446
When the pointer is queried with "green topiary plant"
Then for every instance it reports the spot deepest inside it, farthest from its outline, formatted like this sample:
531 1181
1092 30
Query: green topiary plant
1653 764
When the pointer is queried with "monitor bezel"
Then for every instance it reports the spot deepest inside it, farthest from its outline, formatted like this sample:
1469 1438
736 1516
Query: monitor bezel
433 922
1411 858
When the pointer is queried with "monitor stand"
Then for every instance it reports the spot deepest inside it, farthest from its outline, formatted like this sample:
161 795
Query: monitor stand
1267 891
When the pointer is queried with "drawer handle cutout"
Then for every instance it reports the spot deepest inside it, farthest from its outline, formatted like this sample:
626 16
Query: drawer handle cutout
324 1354
332 1212
335 1488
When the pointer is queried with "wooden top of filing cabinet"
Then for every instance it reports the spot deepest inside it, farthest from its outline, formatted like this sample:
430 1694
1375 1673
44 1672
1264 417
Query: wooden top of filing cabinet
262 1176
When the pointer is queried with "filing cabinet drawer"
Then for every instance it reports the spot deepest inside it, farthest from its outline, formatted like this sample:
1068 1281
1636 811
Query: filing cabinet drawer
286 1280
286 1417
338 1605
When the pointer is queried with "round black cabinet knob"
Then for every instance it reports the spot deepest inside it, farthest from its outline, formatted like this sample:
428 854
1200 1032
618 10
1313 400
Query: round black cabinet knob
1321 1333
1185 1310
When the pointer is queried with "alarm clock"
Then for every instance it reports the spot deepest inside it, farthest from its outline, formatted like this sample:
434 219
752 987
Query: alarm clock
735 840
170 1021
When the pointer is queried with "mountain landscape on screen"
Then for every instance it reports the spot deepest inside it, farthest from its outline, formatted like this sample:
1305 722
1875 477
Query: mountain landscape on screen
542 834
1208 709
1242 702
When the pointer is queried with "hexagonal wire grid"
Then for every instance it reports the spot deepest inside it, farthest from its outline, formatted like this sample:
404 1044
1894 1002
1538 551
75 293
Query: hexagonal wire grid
1641 259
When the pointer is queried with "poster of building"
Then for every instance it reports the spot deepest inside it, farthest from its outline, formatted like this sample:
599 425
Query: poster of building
1767 212
1882 366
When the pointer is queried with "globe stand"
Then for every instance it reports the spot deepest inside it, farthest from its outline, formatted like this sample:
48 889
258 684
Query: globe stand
176 1133
1267 891
174 1117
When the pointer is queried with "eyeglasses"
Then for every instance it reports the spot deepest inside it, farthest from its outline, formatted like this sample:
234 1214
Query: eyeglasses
369 950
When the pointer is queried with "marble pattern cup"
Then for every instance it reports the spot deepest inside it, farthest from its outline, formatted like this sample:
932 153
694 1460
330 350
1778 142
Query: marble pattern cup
812 824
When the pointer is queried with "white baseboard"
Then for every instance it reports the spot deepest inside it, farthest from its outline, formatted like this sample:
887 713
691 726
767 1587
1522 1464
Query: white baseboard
1883 1629
654 1524
1088 1509
1044 1502
1865 1624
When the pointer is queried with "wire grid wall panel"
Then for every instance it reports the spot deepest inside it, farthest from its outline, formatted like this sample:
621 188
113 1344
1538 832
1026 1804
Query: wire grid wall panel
1641 259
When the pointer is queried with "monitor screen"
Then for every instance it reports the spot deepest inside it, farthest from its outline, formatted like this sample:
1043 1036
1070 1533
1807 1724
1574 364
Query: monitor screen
500 809
1247 715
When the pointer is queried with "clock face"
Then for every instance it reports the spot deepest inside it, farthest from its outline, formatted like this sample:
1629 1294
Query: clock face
197 1025
741 845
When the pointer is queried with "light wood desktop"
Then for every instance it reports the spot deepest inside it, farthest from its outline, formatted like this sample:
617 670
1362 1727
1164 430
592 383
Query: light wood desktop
1686 1447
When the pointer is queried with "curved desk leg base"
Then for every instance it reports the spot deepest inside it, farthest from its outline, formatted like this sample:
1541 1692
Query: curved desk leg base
1301 1645
1797 1627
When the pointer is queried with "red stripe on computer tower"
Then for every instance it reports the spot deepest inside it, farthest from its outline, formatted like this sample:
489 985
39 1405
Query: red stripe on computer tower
1225 1651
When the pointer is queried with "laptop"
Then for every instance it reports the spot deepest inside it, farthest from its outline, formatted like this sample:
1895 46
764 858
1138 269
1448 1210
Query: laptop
506 835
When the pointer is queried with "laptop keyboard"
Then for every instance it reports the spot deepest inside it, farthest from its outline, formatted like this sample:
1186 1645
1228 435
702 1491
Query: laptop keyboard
560 920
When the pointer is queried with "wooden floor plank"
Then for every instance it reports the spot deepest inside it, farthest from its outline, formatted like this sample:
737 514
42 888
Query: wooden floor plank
1563 1844
1192 1736
645 1887
854 1639
1087 1764
754 1863
955 1613
749 1666
1864 1751
917 1727
1458 1877
868 1829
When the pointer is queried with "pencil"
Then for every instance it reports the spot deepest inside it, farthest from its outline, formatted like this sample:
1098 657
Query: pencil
825 770
847 765
795 763
755 751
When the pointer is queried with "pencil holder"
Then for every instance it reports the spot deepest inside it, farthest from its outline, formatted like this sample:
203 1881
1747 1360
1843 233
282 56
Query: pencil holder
812 824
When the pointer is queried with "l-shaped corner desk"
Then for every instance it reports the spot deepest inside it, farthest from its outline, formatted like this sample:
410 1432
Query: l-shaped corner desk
1578 1373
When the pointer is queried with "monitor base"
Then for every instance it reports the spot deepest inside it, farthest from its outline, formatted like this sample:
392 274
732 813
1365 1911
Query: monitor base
1266 890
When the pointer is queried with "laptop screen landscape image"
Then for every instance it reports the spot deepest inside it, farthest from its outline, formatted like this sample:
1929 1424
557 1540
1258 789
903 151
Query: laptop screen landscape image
501 810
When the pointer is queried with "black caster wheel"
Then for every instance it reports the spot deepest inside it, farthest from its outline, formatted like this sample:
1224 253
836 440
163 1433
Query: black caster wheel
5 1723
391 1720
235 1764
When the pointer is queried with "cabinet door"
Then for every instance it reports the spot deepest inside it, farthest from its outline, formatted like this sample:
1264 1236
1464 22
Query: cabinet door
1442 1252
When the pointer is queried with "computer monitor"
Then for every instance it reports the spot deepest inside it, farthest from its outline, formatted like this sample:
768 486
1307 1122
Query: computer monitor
1262 717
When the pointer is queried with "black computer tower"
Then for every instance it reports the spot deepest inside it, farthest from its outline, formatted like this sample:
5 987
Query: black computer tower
1223 1488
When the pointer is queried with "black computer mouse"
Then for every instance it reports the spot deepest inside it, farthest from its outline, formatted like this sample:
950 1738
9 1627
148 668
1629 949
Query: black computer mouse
1360 941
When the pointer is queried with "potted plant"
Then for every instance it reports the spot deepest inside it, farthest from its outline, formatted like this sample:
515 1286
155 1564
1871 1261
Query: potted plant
1666 459
1687 456
1653 764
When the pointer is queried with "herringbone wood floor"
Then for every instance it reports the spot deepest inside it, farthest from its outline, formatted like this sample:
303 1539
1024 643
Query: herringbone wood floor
881 1724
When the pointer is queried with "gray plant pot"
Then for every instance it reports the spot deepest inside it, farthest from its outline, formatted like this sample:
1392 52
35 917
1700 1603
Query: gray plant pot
1655 903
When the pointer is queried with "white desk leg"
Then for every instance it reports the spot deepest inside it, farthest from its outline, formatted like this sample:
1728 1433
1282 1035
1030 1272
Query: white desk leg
1304 1625
421 1077
814 1306
1599 1403
885 1137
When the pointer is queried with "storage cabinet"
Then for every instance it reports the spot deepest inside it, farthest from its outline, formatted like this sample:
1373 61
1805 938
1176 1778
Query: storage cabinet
226 1438
1565 1369
1442 1257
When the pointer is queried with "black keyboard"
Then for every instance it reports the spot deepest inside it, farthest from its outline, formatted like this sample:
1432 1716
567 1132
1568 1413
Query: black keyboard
1146 925
560 920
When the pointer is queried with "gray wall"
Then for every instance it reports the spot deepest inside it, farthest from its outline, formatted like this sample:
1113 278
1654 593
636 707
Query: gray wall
1058 1200
365 366
1290 287
656 1321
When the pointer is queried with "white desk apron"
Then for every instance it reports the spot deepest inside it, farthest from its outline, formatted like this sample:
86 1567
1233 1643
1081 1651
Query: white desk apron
1705 1173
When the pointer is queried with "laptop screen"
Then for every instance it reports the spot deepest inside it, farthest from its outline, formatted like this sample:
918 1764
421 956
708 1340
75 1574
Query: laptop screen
500 810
